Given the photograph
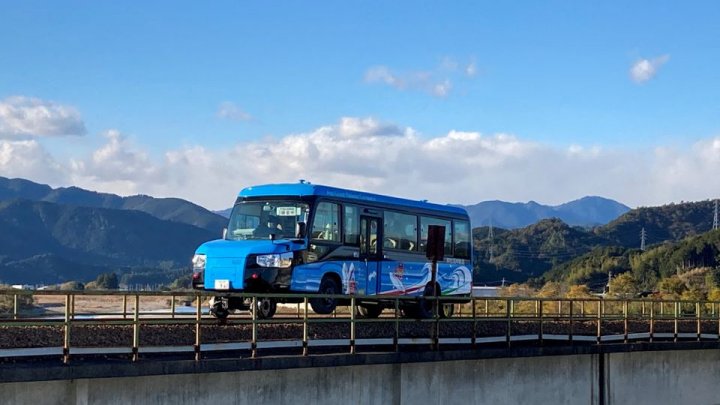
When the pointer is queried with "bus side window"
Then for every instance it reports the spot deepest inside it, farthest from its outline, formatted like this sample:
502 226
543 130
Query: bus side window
400 231
351 218
427 221
462 239
325 225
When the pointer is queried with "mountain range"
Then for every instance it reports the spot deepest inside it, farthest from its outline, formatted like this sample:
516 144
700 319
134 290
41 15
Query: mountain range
171 209
587 211
55 235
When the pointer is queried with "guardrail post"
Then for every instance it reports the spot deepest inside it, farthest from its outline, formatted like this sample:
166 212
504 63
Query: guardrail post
136 329
599 321
198 318
571 321
396 339
652 320
172 305
253 316
698 317
124 306
352 325
72 306
474 329
15 306
539 310
305 327
625 321
677 311
67 326
508 314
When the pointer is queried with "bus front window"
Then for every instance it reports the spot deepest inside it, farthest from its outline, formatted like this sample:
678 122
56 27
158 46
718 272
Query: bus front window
260 219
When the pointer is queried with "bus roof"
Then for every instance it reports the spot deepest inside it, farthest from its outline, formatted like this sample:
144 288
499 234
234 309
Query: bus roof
307 189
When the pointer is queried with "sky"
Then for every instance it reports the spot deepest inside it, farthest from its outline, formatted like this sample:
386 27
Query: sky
453 102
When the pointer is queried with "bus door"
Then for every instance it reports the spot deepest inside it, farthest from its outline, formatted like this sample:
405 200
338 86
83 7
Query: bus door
371 251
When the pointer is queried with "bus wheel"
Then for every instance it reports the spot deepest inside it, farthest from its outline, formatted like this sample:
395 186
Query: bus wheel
409 312
426 307
219 310
369 311
326 305
266 308
446 310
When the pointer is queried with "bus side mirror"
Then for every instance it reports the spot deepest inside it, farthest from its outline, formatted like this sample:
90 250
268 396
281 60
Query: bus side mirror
224 233
300 229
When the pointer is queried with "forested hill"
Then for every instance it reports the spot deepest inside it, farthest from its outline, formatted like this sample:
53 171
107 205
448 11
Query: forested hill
672 222
43 242
695 261
522 254
171 209
529 252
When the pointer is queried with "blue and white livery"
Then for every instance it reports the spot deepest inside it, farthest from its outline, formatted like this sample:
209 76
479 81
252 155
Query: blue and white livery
306 238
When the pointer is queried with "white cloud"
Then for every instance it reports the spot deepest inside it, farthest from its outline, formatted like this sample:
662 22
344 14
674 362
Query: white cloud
22 117
231 111
423 81
118 165
28 159
366 154
471 69
438 82
645 69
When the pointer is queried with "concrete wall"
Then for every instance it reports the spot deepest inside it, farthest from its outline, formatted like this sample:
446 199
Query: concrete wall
664 377
672 377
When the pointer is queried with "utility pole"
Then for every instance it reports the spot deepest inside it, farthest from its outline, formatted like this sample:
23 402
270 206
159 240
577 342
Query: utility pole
715 217
607 288
643 236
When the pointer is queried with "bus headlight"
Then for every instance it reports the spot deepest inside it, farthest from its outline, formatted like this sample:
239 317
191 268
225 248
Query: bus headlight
277 260
198 263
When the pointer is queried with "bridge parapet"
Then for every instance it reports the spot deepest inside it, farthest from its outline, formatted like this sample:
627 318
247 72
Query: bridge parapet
82 324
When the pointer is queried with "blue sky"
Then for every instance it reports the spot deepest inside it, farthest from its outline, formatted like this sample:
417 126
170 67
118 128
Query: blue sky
148 87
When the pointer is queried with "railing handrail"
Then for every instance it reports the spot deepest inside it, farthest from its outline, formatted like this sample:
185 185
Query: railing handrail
510 311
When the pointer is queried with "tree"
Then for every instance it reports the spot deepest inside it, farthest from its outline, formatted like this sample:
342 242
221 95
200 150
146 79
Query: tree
623 286
671 287
107 281
578 291
72 286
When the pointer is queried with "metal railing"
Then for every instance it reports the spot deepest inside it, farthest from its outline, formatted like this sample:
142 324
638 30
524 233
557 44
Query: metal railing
136 324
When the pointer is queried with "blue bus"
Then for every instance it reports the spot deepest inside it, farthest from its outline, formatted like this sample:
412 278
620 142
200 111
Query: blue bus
307 238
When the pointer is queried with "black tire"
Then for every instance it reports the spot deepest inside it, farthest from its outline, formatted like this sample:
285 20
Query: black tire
266 308
369 311
425 307
326 305
219 311
446 309
409 312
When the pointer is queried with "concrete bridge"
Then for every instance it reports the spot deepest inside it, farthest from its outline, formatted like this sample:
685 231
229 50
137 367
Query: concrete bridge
493 351
642 373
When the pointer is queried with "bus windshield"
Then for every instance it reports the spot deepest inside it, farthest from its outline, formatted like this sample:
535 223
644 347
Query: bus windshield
260 219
